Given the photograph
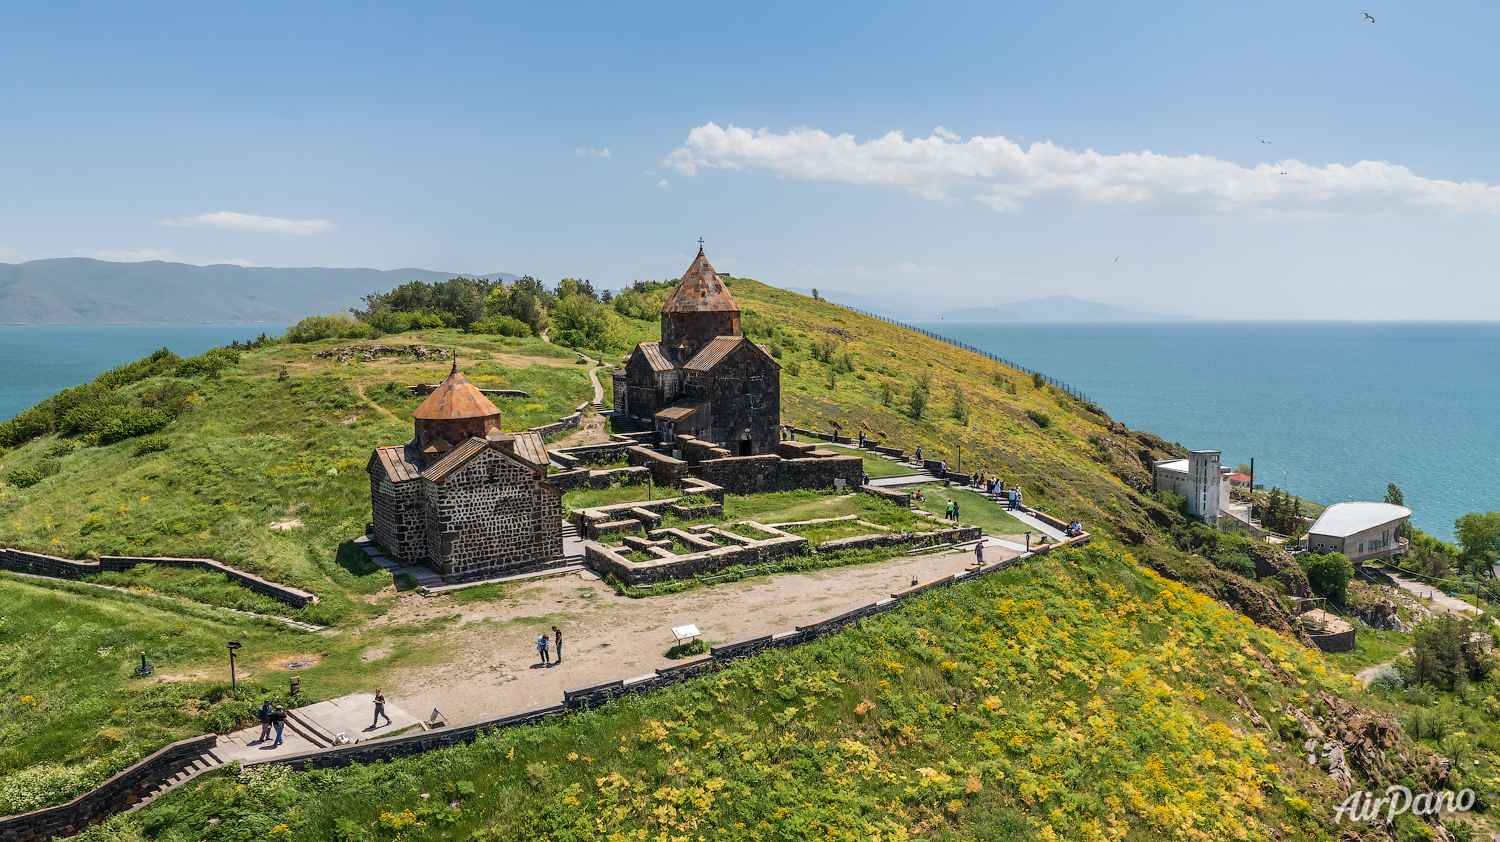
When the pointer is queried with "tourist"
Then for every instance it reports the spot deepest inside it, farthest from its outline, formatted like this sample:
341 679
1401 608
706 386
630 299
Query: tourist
864 479
264 715
557 642
379 710
955 511
919 453
1010 497
979 553
541 647
949 512
943 469
917 496
1020 499
278 721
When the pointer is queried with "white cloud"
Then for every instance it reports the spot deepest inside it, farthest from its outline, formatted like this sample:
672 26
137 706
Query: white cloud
121 256
586 152
251 222
1004 174
663 184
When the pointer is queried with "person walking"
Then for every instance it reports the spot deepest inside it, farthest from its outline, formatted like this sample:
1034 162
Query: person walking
379 710
1020 499
541 647
955 511
979 553
264 715
948 513
557 641
278 721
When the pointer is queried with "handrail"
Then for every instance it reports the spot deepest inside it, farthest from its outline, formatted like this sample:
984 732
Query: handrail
970 348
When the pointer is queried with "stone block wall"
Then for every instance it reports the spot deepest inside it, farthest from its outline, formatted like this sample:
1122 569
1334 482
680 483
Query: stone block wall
567 422
688 565
1336 642
492 516
762 474
900 498
665 470
595 454
795 449
695 451
957 535
48 565
110 797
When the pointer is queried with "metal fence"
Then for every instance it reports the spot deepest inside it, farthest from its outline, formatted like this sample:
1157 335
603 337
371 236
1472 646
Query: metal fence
981 352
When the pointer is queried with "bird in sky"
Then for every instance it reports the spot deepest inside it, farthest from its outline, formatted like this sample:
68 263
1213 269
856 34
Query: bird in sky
1263 140
1367 14
1283 173
1117 260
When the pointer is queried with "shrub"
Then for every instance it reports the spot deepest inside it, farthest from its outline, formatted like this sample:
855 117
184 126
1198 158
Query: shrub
916 403
1039 418
502 326
1329 574
314 328
357 330
1237 563
1037 381
151 444
793 368
25 477
696 646
209 363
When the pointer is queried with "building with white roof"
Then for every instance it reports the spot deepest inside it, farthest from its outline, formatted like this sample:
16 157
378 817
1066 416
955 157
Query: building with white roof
1200 478
1360 531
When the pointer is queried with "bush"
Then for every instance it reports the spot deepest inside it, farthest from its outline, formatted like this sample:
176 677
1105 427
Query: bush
1041 419
358 330
502 326
793 368
1237 563
151 444
209 363
314 328
696 646
25 477
1037 381
109 423
1329 574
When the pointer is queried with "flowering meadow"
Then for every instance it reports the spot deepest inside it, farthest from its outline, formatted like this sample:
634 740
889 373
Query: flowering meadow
1076 697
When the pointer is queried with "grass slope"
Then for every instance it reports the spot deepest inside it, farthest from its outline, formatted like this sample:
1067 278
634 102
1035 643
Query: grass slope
1077 697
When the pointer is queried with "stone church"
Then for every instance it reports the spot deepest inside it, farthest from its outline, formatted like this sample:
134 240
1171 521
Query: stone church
704 378
463 497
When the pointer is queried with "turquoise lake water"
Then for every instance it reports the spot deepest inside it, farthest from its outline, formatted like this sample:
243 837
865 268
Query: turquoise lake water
1330 411
37 361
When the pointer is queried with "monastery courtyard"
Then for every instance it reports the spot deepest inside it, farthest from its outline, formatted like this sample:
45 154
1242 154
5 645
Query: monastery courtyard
485 661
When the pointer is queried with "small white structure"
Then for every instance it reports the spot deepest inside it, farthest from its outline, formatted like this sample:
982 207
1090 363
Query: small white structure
1359 530
1200 478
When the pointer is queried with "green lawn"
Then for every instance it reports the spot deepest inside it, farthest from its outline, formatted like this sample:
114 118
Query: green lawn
973 508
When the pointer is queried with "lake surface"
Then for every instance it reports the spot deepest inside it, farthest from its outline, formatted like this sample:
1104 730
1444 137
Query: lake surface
37 361
1330 411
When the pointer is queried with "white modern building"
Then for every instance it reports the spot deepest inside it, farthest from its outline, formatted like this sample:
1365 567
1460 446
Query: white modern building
1200 478
1360 531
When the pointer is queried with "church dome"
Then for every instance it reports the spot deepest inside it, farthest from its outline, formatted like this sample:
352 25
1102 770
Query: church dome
454 411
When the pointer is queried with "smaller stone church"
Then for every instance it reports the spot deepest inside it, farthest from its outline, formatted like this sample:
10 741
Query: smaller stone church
464 497
704 379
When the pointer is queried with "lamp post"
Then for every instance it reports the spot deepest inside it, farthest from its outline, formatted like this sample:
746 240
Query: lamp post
1028 542
233 645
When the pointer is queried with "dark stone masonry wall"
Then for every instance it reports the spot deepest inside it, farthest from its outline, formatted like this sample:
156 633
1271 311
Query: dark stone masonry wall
38 563
112 796
665 470
491 517
398 515
762 474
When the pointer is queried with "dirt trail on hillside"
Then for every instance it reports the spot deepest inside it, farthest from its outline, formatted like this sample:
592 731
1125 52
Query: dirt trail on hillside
492 666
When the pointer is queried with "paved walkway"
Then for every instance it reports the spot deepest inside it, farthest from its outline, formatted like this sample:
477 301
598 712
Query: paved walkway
1433 593
315 726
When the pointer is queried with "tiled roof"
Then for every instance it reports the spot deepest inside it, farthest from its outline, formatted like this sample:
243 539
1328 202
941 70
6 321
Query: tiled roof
680 410
530 447
396 463
656 356
456 397
713 352
700 291
455 459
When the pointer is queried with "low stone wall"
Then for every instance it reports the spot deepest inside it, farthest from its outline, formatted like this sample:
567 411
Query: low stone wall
957 535
687 565
567 422
900 498
1336 642
110 797
695 451
795 449
36 562
569 480
595 454
894 452
762 474
665 470
692 512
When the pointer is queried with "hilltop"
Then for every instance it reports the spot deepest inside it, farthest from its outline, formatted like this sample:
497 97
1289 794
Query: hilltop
1109 692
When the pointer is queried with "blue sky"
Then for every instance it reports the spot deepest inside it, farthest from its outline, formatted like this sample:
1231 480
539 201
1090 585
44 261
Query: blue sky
471 137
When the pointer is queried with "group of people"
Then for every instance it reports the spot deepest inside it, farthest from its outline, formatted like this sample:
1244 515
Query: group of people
1074 529
546 645
952 510
273 718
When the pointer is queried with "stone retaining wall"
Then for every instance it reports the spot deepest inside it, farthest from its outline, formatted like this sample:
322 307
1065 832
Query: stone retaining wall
768 473
665 470
900 498
567 422
957 535
1336 642
110 797
33 562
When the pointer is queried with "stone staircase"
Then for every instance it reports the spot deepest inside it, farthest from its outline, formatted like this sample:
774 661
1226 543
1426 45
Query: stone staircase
192 768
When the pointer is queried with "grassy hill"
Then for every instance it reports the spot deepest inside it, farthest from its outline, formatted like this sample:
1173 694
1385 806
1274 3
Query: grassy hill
1080 697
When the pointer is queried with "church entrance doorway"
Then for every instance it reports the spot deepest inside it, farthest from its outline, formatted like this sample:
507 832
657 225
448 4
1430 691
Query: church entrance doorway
745 448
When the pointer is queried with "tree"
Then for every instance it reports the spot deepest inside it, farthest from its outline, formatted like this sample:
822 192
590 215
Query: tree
960 406
578 321
1445 655
887 393
1329 574
815 294
1479 540
1393 494
917 402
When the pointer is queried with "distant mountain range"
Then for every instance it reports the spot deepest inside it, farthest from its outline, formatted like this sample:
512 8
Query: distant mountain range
1053 308
79 290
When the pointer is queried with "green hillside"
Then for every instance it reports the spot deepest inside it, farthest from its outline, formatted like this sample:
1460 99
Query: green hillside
1084 696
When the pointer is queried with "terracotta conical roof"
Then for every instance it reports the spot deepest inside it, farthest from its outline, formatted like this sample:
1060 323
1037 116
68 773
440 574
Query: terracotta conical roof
456 397
701 291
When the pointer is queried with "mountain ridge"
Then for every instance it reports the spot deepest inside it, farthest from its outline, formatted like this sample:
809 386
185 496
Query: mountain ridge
1052 308
82 290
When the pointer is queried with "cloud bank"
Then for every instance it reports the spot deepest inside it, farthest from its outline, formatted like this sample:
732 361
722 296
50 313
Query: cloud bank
1003 174
251 222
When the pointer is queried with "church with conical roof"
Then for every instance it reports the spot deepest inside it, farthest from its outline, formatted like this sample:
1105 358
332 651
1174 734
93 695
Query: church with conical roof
704 378
462 496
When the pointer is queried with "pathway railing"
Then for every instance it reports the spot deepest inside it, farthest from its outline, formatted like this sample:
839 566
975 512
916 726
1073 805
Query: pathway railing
970 348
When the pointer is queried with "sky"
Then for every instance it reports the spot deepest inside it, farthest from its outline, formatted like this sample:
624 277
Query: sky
988 152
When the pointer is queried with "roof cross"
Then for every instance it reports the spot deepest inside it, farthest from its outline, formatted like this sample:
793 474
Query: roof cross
700 245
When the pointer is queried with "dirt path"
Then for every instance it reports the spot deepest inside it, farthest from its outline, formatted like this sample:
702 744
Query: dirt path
360 387
490 661
1367 675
